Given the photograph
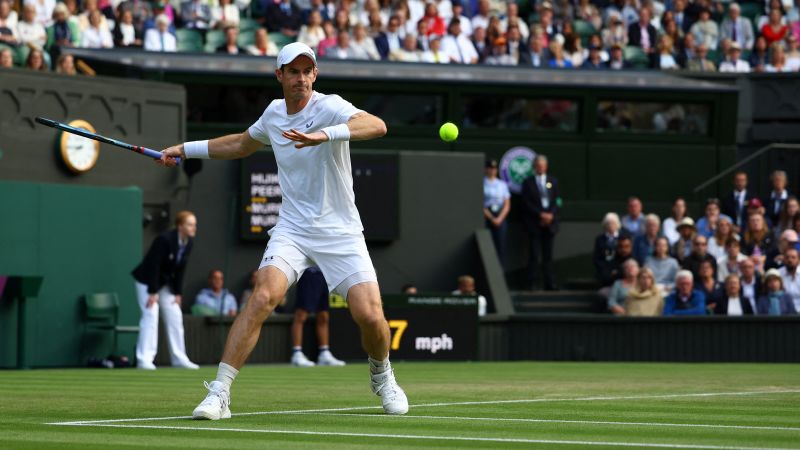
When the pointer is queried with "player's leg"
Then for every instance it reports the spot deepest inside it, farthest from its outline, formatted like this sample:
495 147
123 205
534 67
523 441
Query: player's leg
173 320
147 341
298 357
325 357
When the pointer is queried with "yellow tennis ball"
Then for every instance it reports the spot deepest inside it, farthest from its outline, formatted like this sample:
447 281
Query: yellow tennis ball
448 132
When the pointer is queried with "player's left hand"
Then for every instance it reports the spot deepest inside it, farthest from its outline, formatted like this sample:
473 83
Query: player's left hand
305 140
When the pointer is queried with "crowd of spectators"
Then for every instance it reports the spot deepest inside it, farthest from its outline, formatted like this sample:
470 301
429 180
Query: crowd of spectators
739 258
697 35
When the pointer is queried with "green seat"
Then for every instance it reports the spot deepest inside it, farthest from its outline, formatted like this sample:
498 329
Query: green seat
636 56
280 39
752 10
584 28
246 38
214 38
102 315
247 24
189 40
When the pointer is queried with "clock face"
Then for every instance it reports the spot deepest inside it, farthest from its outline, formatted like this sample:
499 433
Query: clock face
79 153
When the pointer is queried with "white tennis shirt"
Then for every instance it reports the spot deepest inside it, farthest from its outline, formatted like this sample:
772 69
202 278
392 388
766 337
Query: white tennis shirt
317 182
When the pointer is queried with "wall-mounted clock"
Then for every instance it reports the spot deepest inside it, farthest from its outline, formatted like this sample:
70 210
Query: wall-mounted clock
79 153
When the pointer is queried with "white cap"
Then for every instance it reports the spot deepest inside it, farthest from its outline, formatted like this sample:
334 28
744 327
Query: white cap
291 51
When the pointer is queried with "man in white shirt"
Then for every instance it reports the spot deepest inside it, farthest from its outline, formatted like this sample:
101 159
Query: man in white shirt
159 39
458 46
309 133
791 279
751 285
733 61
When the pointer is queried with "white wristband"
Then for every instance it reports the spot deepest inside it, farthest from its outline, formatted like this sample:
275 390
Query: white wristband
337 132
196 149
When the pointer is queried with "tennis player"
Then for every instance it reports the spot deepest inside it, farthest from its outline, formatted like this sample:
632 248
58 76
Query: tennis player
318 222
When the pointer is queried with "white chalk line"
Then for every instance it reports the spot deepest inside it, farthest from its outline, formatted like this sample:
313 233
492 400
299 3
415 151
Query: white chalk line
440 438
431 405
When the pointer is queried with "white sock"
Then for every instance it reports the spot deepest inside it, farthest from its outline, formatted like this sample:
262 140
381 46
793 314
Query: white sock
378 366
225 374
297 349
323 348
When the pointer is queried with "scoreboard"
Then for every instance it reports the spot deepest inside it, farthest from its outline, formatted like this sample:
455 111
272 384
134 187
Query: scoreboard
375 183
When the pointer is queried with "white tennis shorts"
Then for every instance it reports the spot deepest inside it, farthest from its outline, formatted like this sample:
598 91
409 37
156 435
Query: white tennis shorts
343 259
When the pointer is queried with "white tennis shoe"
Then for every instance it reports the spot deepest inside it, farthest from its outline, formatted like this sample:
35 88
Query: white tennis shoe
392 396
299 359
216 404
326 358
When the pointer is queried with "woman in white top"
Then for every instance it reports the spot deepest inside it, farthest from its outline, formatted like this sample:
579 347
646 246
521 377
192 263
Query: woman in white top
84 18
8 21
312 33
669 227
29 31
777 59
364 45
95 36
263 45
665 60
716 244
224 14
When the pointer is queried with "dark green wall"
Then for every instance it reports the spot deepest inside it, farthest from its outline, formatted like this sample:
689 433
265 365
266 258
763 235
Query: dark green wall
80 239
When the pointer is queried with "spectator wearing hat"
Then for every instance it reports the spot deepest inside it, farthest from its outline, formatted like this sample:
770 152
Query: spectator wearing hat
755 206
616 60
731 302
734 204
737 29
685 300
686 233
778 196
536 54
790 275
594 61
541 203
642 33
496 206
774 260
775 302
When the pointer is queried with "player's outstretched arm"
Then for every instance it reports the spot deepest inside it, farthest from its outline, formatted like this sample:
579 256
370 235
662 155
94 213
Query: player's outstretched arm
360 127
232 146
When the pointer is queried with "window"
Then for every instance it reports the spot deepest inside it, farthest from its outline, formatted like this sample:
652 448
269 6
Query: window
653 117
514 113
400 109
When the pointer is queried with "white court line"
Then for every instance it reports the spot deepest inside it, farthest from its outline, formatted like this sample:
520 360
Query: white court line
583 422
442 438
425 405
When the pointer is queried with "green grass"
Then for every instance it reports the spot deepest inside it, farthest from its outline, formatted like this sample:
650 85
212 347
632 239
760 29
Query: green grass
565 412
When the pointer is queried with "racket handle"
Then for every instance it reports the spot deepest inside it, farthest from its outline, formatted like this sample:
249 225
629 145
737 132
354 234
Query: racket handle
153 153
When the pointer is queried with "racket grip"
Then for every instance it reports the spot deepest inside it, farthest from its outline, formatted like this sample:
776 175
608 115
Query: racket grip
154 154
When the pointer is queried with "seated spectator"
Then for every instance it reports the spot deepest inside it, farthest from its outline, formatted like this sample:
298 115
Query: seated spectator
466 286
594 61
159 39
514 43
63 32
231 46
664 58
312 33
158 10
621 287
685 300
733 61
329 41
663 266
536 54
588 12
757 240
557 58
633 222
750 281
363 45
670 226
775 30
706 282
777 197
389 40
141 11
481 43
774 259
284 16
126 34
499 55
685 52
775 302
36 61
458 46
605 249
408 52
793 51
615 34
699 255
644 244
215 299
646 298
707 225
435 54
65 65
435 22
95 36
728 264
224 14
737 28
734 203
262 46
686 233
731 302
573 50
8 24
717 242
642 33
195 15
29 31
84 18
789 209
705 30
789 275
466 23
759 58
6 58
777 59
700 62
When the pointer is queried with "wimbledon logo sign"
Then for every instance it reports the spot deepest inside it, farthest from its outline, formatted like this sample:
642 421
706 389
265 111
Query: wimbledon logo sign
515 166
